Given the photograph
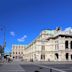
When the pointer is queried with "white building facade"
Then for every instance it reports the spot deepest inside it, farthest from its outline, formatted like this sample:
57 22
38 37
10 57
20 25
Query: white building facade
17 51
50 45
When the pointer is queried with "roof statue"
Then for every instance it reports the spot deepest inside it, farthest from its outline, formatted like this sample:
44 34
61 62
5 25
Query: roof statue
58 29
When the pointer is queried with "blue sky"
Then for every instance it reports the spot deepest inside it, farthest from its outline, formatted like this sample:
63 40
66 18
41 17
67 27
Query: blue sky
25 19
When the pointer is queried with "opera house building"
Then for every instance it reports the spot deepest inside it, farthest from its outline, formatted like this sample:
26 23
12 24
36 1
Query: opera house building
49 45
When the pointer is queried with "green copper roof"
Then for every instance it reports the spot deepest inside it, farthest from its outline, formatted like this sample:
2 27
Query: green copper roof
49 31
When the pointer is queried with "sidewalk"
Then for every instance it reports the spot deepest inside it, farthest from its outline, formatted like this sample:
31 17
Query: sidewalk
51 62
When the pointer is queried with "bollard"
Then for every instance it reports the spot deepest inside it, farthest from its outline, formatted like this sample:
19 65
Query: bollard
50 70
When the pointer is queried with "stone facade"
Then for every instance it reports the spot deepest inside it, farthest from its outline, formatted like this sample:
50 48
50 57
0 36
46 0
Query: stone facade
17 51
50 45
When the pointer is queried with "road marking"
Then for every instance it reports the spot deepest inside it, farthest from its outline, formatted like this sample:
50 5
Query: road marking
50 68
14 70
17 70
67 69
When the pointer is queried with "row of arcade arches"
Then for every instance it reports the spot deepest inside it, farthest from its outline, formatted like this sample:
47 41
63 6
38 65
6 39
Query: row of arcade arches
66 56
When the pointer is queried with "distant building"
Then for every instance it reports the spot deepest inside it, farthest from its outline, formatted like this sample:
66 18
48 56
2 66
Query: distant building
17 51
50 45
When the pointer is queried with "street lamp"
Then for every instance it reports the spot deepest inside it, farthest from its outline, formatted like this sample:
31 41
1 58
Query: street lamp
2 29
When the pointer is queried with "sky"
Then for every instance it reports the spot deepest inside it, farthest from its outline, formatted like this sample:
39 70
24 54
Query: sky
25 19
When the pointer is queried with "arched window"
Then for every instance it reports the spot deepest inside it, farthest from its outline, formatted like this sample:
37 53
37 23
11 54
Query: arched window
57 56
71 56
67 55
66 44
71 44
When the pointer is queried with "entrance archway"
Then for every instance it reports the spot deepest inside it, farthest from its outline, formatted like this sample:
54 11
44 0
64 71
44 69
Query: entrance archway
67 56
57 55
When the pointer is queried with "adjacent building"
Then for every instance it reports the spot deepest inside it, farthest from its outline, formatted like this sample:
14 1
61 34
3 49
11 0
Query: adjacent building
50 45
17 51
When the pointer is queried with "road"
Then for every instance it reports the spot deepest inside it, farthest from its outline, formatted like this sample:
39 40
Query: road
11 68
64 67
34 67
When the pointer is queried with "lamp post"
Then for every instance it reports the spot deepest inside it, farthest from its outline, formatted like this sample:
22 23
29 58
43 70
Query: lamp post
2 29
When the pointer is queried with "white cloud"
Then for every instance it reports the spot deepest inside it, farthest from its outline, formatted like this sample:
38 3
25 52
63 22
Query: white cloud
22 39
12 33
68 29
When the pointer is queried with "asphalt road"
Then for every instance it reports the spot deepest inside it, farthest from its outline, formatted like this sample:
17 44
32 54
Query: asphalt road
64 67
33 67
36 68
11 68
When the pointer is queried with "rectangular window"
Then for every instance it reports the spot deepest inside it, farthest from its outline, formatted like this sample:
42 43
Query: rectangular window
16 52
13 52
42 56
57 47
43 47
